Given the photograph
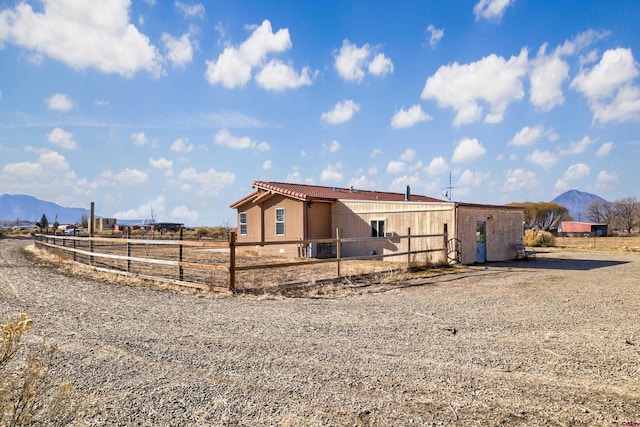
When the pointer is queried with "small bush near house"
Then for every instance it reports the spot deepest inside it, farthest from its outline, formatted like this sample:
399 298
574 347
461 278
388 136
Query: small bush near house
535 238
28 394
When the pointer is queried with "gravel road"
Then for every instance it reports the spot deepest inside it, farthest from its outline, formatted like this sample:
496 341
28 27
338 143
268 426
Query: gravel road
549 342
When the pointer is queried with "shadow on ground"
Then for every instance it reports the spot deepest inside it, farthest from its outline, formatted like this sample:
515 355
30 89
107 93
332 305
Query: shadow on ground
559 264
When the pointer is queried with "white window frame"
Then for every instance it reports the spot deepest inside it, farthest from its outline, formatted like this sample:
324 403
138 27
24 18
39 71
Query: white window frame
375 231
243 223
280 222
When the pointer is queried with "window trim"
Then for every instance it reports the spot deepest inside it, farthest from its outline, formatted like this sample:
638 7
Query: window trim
280 221
243 224
375 231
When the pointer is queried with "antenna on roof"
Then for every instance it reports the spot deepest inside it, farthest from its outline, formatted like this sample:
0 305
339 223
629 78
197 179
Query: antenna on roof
449 193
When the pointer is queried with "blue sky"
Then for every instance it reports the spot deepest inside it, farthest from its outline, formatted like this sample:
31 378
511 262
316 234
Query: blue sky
177 107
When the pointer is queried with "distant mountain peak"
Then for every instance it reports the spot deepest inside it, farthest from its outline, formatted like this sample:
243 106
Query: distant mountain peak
23 207
577 203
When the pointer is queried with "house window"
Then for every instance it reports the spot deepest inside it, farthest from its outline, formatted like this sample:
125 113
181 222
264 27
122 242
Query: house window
280 222
377 228
243 223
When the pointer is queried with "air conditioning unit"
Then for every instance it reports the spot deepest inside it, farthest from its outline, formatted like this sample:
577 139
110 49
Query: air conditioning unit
389 234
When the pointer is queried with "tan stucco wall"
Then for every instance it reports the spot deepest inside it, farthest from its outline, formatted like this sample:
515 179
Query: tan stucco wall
261 226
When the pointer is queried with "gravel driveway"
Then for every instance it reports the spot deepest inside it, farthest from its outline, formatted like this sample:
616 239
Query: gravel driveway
549 342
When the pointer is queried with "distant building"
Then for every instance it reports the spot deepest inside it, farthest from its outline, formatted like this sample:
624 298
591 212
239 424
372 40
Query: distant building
580 229
105 223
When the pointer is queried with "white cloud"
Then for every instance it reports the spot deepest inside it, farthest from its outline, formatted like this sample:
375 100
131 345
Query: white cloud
179 50
62 139
408 118
184 213
468 150
224 137
181 145
380 65
209 183
547 76
527 136
625 107
609 89
575 172
278 76
437 166
519 179
436 35
191 10
144 211
491 10
59 102
492 80
267 165
605 149
469 180
131 177
331 148
332 173
139 138
95 34
234 65
616 68
161 163
577 147
408 155
341 112
351 61
605 180
544 159
396 166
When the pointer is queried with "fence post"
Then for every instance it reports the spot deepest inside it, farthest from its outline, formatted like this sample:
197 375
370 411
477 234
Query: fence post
128 251
232 261
408 247
180 268
445 244
338 246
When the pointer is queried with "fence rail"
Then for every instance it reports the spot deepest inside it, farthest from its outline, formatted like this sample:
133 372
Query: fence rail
211 265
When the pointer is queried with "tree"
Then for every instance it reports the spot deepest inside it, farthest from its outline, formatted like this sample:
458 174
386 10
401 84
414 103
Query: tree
44 222
627 213
84 221
602 212
544 215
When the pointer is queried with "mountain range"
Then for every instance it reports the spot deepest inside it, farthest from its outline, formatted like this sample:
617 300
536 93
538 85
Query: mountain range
21 207
577 203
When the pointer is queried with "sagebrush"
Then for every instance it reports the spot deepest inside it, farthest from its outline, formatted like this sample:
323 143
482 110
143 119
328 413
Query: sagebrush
29 395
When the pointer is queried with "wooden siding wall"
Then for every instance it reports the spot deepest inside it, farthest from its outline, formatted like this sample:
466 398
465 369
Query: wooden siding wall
354 219
503 231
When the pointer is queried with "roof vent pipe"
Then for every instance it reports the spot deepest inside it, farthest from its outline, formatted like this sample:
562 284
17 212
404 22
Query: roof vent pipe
407 195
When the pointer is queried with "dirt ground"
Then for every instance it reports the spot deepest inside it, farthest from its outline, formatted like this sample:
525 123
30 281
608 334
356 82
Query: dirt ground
554 341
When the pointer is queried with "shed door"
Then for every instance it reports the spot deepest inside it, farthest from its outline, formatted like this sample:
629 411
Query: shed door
481 238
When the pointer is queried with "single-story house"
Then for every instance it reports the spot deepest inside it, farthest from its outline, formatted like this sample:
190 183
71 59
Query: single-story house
580 229
285 212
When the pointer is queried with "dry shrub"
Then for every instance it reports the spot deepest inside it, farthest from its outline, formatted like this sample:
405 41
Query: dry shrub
533 238
29 395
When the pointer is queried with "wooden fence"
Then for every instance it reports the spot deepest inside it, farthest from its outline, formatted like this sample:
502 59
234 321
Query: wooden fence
214 265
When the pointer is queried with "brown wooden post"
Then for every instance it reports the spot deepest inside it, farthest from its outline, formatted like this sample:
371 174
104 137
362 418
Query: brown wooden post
232 262
408 247
338 245
445 243
180 268
128 251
